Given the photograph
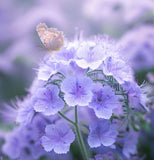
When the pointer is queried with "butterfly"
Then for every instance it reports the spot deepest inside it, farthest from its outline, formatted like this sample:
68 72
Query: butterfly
52 39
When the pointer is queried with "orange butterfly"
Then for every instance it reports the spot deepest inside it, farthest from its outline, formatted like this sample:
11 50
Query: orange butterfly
52 39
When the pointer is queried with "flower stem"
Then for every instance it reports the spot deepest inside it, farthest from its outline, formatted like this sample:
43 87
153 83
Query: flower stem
75 124
66 118
121 124
81 142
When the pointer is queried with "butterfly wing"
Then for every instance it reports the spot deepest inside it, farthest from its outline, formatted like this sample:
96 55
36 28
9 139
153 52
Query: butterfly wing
52 39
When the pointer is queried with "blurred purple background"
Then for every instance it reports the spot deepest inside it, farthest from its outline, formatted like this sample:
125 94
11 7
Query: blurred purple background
21 49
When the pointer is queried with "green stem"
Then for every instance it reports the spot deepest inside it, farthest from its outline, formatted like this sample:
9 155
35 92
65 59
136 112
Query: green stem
121 124
76 115
66 118
81 142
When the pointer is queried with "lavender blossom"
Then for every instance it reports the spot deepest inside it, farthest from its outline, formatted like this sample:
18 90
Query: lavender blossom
71 69
65 55
135 95
118 68
25 112
77 90
102 132
23 143
12 145
46 69
58 138
90 55
130 143
108 155
47 100
104 101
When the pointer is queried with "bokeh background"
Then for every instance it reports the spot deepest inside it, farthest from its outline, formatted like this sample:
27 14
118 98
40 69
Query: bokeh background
129 22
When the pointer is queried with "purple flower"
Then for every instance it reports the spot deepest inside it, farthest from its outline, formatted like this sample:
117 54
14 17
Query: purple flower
65 55
12 144
58 138
25 112
102 132
47 68
71 69
104 101
39 123
97 157
23 143
130 144
118 68
47 100
108 155
89 55
30 143
35 85
135 95
78 90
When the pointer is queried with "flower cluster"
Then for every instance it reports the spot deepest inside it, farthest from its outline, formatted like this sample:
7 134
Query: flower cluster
87 78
